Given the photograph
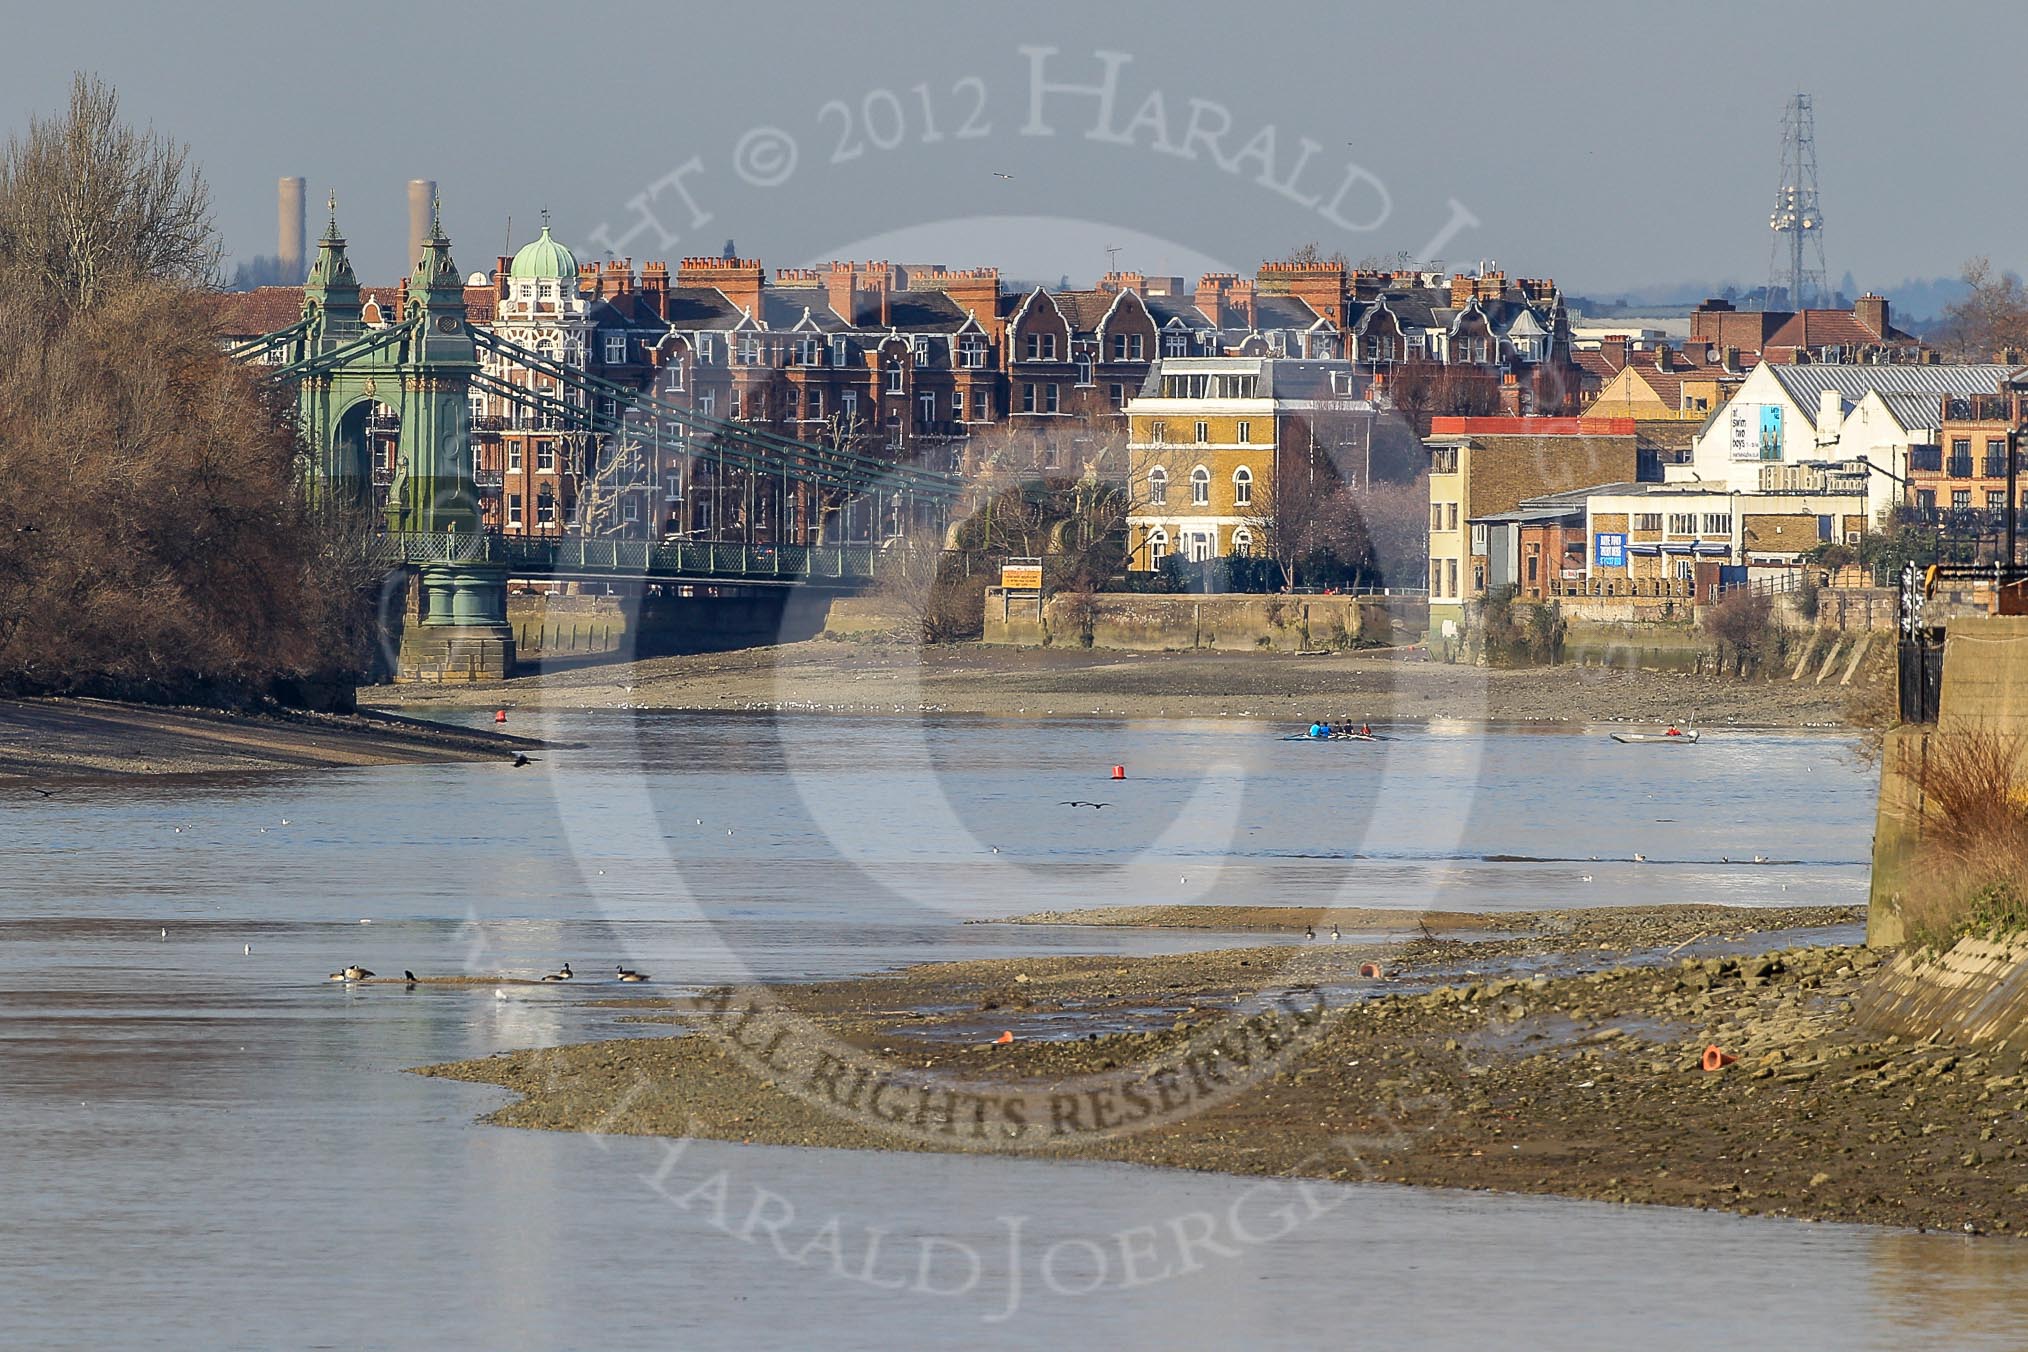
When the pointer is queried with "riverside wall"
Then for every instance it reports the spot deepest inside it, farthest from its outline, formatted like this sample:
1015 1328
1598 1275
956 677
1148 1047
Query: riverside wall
1985 684
1136 622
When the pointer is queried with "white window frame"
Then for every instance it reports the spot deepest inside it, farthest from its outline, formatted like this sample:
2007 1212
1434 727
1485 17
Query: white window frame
838 349
1158 486
1200 487
1242 542
616 349
1243 432
1242 487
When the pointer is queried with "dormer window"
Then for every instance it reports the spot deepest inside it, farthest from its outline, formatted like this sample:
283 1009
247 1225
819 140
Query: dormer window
749 351
972 352
706 349
838 350
812 353
616 349
922 351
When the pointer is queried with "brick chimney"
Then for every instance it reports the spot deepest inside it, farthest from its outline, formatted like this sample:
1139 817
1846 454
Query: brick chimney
655 288
500 270
1871 310
1211 292
1613 348
1239 297
1462 288
739 280
1321 286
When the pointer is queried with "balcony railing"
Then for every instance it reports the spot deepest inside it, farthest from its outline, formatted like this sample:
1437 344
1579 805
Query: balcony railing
1960 467
1976 408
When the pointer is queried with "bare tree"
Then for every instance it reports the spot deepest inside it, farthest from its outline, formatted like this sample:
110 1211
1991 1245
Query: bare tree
1992 315
90 205
1296 510
614 471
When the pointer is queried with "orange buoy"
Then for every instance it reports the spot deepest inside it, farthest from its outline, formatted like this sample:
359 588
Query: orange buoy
499 715
1119 772
1714 1059
1373 970
1003 1039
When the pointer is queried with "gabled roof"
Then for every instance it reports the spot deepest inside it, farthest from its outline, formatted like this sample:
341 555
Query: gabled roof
784 307
248 314
1813 329
1914 412
925 312
1283 312
701 307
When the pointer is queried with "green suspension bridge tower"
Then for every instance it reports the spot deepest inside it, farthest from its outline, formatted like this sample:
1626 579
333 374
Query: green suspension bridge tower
424 366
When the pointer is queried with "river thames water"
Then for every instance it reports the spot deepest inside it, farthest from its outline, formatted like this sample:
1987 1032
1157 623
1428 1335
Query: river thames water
206 1145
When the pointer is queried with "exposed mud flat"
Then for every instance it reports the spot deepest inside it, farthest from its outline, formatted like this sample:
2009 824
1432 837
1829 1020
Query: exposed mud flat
49 739
830 676
1540 1062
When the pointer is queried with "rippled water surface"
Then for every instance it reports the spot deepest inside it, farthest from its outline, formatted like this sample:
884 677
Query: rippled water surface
205 1146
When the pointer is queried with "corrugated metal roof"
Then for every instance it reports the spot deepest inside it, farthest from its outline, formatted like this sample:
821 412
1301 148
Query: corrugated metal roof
1913 411
1807 382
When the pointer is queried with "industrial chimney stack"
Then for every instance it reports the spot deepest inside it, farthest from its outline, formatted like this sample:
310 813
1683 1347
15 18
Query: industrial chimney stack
422 196
289 228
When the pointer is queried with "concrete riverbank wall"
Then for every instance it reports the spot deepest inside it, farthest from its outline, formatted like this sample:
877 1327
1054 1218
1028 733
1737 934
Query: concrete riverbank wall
1985 685
1135 622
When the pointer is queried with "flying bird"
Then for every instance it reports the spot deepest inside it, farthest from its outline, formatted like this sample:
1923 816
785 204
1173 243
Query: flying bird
521 760
1079 802
996 174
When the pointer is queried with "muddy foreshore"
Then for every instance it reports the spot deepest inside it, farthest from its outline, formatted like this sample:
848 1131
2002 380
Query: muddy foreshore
45 741
1560 1053
832 676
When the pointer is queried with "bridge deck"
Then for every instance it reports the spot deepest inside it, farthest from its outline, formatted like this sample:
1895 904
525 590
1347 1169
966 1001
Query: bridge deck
835 566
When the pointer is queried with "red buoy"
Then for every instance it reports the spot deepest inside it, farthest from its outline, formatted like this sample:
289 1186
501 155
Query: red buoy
499 715
1119 772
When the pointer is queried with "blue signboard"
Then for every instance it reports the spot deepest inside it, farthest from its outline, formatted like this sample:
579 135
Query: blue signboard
1611 549
1770 432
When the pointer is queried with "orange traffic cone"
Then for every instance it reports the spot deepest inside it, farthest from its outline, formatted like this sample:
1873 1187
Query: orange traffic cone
1119 772
499 715
1003 1039
1714 1059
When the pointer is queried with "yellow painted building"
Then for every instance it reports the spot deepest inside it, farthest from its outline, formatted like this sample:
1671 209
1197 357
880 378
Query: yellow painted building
1205 439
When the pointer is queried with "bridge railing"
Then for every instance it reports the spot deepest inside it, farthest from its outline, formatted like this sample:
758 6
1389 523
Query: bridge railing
632 558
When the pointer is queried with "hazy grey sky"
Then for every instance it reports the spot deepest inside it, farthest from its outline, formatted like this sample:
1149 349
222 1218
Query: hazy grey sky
1607 145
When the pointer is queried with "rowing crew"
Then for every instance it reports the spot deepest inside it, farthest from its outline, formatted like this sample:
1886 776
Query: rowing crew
1324 731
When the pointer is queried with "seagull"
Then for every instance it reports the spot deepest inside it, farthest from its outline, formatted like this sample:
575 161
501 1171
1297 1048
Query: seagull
1585 879
996 174
285 821
563 974
165 931
249 950
1640 859
1760 859
1079 802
